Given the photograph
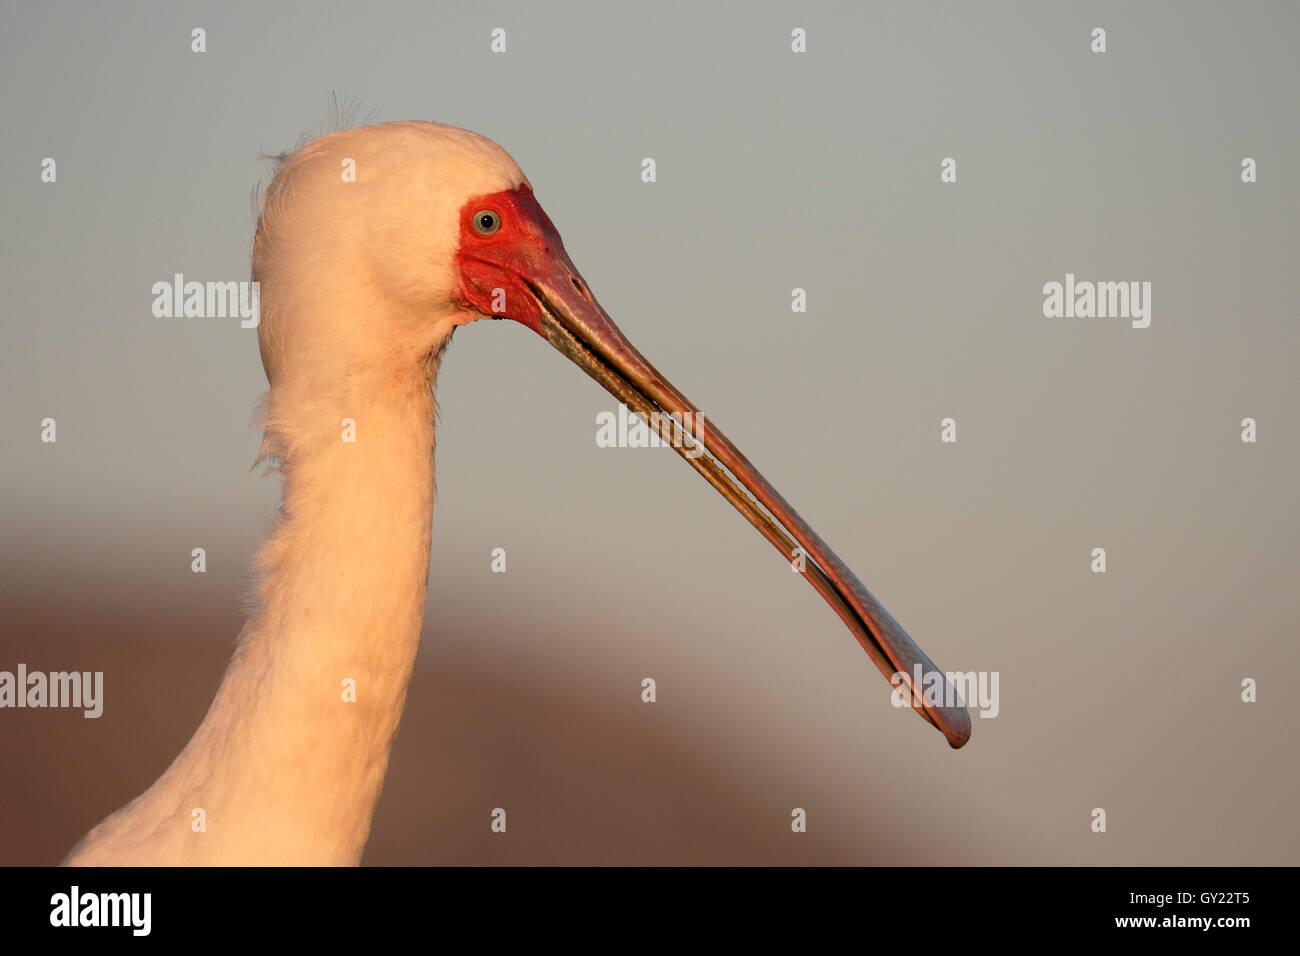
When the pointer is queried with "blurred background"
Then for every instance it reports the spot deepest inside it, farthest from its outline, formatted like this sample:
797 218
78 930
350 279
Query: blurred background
775 170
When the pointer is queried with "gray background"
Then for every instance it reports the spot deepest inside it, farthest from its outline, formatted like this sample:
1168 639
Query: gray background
775 170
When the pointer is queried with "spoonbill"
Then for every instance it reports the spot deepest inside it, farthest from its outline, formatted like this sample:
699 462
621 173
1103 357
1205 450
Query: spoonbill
362 284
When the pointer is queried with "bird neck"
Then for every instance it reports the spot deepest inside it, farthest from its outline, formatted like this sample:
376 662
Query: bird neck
288 764
330 651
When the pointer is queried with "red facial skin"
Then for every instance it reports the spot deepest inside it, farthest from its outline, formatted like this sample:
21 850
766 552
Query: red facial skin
526 244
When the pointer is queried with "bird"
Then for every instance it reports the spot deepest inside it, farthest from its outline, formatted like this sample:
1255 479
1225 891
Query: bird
363 280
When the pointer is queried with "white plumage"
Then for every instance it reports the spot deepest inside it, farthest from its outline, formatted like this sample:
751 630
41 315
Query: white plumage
357 285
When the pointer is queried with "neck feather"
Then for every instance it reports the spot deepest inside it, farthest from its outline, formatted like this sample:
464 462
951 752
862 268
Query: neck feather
289 762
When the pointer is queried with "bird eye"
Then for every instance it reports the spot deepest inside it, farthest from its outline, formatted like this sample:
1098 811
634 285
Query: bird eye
486 222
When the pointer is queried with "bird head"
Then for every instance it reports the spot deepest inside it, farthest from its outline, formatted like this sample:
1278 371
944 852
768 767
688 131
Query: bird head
413 229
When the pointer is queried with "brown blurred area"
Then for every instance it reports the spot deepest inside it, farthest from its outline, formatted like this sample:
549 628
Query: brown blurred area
578 786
